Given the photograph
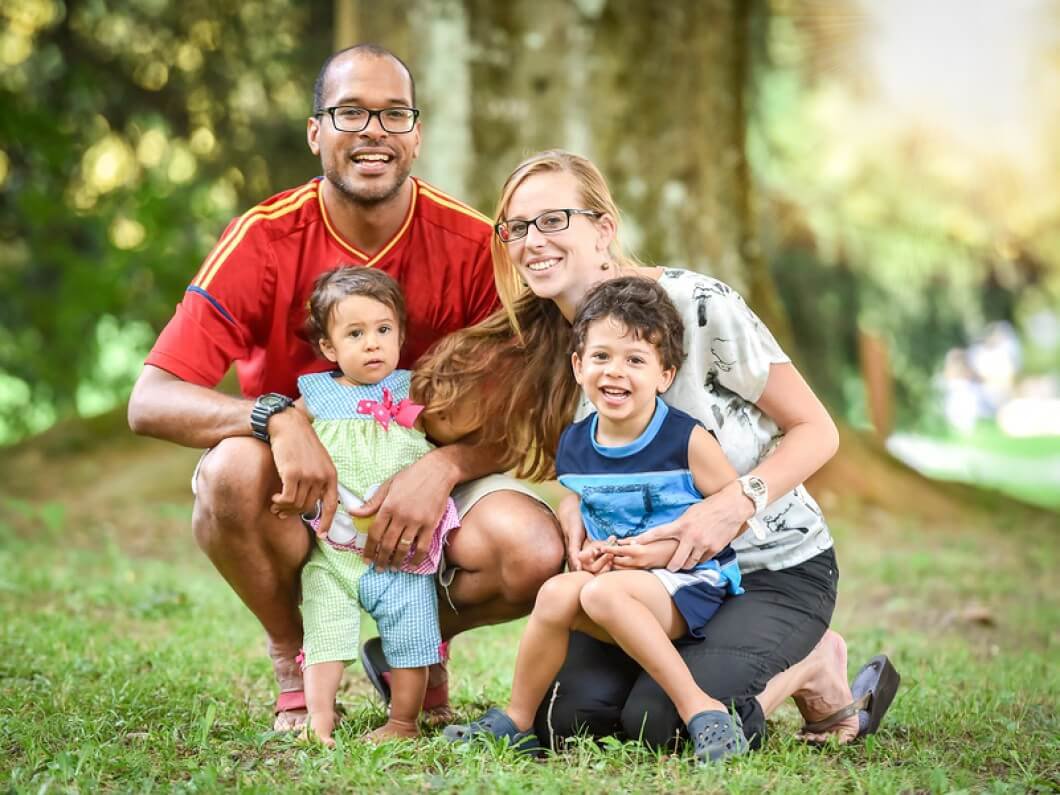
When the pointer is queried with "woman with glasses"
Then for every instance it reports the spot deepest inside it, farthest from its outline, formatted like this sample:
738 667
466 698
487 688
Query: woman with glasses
509 381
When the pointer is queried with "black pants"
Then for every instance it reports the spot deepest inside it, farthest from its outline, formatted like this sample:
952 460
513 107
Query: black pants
751 638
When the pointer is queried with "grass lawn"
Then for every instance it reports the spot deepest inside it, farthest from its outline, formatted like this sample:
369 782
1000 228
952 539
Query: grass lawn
128 665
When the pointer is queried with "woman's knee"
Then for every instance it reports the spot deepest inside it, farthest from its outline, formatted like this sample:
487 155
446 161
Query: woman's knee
650 717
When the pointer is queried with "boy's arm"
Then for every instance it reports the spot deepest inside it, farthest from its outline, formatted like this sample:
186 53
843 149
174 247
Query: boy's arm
711 470
574 537
635 555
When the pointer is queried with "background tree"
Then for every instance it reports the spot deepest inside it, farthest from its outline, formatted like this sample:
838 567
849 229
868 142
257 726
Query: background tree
731 132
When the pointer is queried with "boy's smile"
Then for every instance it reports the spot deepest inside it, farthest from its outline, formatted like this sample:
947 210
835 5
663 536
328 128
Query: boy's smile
621 375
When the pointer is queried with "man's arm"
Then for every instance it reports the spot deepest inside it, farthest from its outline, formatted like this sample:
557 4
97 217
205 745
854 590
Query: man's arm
167 407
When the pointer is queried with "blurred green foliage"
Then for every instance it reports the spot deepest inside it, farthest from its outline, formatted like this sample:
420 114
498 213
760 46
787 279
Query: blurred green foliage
130 132
894 230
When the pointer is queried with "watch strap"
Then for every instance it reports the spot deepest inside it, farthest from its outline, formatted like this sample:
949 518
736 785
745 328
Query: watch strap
754 488
265 407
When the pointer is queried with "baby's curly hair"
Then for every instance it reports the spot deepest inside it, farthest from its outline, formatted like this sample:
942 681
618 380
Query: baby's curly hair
346 280
643 307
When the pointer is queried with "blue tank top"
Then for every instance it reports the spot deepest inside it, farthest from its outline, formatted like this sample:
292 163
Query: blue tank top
629 489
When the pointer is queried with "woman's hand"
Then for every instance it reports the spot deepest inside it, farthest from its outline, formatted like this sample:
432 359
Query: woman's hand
704 529
570 521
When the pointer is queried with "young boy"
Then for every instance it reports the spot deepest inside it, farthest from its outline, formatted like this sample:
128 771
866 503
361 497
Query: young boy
635 463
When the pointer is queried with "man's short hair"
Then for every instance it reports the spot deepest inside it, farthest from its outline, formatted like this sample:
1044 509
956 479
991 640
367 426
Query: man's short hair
366 48
643 307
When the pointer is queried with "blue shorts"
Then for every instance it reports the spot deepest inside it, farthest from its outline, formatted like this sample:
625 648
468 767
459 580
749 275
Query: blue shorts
698 594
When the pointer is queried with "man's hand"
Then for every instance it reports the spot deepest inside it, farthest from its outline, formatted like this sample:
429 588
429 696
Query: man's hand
570 521
407 509
596 557
305 468
704 529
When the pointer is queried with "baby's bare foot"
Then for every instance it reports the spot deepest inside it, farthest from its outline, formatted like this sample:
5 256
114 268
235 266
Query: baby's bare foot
394 729
305 736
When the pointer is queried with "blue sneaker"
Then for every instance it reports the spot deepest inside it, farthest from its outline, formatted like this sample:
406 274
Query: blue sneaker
716 735
495 723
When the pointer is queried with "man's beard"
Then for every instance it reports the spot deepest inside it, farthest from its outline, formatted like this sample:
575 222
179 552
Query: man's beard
367 198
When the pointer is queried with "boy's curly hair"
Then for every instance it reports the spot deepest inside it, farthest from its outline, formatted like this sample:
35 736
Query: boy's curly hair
643 307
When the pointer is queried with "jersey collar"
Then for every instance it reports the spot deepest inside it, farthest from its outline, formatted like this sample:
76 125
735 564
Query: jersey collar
369 259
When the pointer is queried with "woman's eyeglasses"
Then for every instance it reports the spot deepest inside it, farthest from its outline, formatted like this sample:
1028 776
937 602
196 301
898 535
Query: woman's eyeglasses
547 222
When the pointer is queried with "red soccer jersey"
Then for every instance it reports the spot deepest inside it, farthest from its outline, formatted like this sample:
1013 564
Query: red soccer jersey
247 304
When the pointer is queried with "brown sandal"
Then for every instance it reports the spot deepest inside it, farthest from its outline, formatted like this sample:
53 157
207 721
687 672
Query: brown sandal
873 688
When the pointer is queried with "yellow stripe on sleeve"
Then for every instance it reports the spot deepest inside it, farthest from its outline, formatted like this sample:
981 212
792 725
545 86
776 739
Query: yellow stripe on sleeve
261 213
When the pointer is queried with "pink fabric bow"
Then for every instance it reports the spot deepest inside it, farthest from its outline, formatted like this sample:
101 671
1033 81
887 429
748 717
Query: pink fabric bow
404 413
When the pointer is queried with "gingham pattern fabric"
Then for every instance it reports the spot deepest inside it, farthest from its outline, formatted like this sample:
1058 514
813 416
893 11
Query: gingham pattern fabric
331 612
405 608
366 454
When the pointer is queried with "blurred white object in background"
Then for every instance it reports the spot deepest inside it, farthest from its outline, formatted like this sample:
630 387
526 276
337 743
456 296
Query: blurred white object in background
1030 416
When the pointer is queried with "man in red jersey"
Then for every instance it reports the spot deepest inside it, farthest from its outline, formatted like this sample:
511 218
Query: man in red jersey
246 305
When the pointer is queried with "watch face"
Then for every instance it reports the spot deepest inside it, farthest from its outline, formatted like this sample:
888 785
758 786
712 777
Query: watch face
271 401
757 485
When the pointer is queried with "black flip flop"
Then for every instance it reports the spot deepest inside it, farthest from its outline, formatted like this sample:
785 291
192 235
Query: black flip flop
375 665
873 689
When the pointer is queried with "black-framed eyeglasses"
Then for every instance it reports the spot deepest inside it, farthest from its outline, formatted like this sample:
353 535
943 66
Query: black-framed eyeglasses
350 118
547 222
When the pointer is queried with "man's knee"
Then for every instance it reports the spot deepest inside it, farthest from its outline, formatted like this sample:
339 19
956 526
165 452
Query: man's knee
516 537
232 488
531 552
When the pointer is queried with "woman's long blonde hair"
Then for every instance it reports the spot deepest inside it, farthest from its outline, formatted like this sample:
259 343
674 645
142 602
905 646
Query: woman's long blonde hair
509 378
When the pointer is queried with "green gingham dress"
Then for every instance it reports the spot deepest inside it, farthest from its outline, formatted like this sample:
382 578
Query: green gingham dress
361 428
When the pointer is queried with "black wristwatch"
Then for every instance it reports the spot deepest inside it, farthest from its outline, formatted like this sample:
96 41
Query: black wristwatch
264 407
